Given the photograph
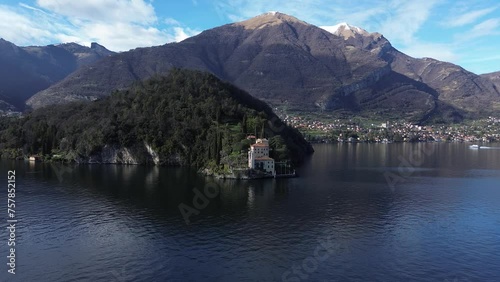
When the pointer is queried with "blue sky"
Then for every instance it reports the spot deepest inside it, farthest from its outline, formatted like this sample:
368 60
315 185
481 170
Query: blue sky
466 33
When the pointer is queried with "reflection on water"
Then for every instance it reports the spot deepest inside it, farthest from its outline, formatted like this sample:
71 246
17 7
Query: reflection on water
123 223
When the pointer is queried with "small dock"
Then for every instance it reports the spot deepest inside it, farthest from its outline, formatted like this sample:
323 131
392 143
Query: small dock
286 175
284 170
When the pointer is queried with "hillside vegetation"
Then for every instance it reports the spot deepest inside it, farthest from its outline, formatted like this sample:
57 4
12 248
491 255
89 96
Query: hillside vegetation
185 118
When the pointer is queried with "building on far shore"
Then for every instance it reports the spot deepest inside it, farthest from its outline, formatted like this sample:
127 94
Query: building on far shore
258 157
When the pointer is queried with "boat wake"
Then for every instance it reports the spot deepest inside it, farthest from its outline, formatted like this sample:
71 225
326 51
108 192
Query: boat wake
483 147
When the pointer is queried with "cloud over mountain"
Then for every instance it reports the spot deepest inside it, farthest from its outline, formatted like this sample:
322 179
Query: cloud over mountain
120 25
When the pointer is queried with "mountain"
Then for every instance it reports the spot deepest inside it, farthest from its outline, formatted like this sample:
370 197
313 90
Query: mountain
493 77
26 70
281 59
469 94
184 118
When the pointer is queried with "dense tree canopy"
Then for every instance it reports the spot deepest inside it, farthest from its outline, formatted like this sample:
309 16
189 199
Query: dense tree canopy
188 113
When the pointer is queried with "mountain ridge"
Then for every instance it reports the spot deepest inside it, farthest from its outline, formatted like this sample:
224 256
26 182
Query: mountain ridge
278 58
25 71
494 77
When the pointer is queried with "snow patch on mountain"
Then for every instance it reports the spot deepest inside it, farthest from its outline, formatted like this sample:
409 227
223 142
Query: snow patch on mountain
345 30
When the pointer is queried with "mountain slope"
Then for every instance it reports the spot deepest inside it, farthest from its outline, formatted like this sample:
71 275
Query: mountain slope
278 58
456 91
461 89
494 77
27 70
255 54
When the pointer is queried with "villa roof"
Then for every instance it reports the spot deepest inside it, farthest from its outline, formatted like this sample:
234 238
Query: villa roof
264 159
259 145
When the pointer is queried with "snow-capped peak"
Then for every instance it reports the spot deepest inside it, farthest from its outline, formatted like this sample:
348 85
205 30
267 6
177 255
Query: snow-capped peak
273 13
344 29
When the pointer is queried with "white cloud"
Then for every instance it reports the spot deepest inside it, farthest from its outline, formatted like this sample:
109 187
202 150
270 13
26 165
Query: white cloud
172 21
62 37
31 7
183 33
119 25
123 36
19 28
485 28
405 20
468 17
488 30
110 11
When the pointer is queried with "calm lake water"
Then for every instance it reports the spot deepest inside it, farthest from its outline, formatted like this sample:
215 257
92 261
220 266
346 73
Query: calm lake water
365 212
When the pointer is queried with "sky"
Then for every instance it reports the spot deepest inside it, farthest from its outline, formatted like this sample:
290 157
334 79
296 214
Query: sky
466 33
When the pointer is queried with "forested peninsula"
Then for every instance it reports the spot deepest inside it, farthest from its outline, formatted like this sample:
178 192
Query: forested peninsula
186 118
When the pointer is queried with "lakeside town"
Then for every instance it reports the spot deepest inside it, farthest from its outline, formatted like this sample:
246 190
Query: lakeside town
322 129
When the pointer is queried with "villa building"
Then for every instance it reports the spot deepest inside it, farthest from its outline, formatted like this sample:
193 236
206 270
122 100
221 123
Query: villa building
258 157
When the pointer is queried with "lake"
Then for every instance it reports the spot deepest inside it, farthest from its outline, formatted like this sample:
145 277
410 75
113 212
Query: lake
357 212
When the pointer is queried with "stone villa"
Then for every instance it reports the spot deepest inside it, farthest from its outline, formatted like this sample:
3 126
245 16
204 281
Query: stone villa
258 157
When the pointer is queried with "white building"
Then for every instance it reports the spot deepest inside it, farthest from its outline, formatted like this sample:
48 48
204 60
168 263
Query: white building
258 157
